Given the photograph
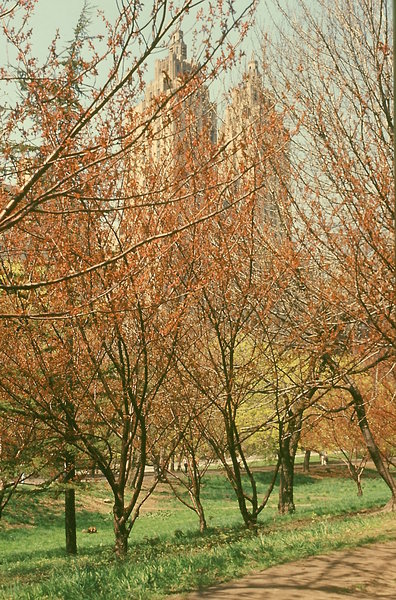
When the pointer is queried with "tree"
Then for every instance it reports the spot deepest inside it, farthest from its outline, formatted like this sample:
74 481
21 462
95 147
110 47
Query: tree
98 361
19 442
92 379
67 145
332 425
191 417
336 81
222 355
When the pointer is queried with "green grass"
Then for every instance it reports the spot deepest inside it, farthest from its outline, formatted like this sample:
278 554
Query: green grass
167 554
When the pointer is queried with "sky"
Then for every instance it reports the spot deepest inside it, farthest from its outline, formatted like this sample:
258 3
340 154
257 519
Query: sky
62 15
51 16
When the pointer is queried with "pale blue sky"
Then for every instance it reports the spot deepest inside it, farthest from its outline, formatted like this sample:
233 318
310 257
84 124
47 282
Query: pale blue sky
62 15
52 15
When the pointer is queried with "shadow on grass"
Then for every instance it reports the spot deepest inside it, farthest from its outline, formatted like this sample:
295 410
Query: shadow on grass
39 556
33 507
217 487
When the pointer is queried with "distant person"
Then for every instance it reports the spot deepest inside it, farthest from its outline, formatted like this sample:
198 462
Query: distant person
324 459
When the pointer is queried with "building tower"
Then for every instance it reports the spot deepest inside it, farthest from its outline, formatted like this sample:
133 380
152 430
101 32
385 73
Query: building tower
257 142
188 108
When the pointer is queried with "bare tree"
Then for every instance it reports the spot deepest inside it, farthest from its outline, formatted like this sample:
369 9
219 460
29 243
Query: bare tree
66 136
334 74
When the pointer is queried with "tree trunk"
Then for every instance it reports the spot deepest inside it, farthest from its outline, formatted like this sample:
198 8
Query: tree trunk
121 541
356 474
286 487
307 457
202 520
288 442
70 511
372 447
359 486
120 529
70 521
390 506
249 518
195 495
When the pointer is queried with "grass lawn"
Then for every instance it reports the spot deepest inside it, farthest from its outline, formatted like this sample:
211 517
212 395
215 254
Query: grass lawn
167 554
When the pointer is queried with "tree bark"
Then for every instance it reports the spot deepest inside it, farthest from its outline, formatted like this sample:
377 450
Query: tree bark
195 494
307 457
356 474
286 484
121 540
372 447
70 511
202 520
120 529
359 485
288 441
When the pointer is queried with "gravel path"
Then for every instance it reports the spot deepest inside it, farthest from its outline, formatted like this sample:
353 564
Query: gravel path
368 572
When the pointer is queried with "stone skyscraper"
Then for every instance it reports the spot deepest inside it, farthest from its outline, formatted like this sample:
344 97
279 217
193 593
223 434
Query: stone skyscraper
257 142
188 109
177 116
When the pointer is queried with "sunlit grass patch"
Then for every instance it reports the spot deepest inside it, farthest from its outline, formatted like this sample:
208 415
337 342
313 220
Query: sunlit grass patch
167 553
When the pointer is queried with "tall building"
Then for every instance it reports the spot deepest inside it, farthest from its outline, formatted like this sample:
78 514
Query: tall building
180 105
257 143
172 128
178 122
168 71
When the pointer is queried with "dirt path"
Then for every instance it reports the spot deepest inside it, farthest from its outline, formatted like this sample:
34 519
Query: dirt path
364 573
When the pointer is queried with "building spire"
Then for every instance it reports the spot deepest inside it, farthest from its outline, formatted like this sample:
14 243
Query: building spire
253 66
178 46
